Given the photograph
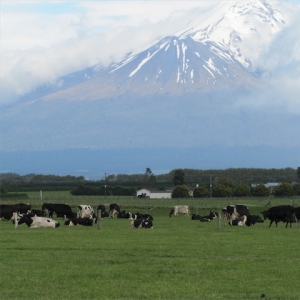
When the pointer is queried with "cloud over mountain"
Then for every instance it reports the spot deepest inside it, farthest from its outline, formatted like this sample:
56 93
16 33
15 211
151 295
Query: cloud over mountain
223 75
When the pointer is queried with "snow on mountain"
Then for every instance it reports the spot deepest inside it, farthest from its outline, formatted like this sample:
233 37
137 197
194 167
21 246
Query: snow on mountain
237 26
217 50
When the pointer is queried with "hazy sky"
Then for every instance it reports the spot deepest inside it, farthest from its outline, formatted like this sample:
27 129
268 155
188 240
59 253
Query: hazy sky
42 40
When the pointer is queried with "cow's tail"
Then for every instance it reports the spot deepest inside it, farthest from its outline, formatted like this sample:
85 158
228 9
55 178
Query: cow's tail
172 212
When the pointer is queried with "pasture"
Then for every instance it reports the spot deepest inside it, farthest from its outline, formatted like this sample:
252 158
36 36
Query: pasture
177 259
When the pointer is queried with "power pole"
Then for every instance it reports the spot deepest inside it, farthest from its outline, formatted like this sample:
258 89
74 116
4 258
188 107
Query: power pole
105 183
210 185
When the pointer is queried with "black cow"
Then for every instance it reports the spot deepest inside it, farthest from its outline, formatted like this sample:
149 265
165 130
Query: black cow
38 212
232 212
114 209
207 218
63 210
80 222
281 213
72 216
297 213
253 219
7 210
200 218
142 223
104 214
122 214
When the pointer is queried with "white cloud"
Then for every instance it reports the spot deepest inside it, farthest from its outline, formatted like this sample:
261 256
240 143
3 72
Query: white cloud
38 47
280 64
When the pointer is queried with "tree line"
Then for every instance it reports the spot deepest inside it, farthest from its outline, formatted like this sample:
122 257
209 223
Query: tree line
204 183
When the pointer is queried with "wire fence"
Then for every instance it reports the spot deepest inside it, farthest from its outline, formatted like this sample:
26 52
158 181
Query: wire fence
146 204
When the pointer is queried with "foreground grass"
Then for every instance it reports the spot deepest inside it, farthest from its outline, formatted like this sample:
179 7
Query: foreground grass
178 259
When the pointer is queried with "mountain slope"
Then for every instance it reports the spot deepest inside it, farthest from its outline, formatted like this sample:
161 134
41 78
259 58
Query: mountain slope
212 53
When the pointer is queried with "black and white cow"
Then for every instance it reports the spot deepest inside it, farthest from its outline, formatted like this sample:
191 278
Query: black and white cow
101 207
7 210
33 221
114 209
85 211
142 223
232 212
104 214
183 209
122 215
62 210
248 220
281 213
37 212
239 221
207 218
144 216
80 222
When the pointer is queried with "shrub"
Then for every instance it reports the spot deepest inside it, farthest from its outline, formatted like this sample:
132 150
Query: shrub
201 192
181 191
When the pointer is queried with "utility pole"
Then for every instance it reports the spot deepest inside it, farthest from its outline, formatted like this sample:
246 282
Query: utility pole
105 183
210 186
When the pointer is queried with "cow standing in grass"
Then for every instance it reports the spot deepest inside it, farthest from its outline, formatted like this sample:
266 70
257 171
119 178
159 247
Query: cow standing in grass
7 210
233 212
63 210
114 209
281 213
180 209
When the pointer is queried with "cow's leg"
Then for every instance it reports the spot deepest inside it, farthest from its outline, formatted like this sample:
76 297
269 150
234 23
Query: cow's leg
271 223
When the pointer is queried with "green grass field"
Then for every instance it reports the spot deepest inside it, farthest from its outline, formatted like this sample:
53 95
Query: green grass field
177 259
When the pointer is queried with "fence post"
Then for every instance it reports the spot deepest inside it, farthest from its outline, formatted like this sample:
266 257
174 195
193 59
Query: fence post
99 219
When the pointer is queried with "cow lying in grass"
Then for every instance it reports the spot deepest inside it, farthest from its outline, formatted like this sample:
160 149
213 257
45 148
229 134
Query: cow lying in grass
207 218
80 222
142 223
33 221
249 220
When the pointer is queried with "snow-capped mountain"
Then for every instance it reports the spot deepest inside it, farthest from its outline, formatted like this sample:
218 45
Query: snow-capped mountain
237 26
215 51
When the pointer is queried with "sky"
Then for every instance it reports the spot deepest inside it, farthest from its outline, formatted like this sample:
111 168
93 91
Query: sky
43 40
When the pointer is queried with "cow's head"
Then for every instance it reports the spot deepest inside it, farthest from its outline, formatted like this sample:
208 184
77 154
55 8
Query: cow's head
27 219
265 214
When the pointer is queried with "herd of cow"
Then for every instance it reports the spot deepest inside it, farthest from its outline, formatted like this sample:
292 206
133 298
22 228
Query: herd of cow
240 215
233 214
23 214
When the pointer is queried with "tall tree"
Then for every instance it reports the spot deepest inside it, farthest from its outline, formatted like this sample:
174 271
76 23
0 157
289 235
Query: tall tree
178 177
149 179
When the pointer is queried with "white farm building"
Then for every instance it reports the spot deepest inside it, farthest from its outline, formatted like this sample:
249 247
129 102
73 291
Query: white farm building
153 193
